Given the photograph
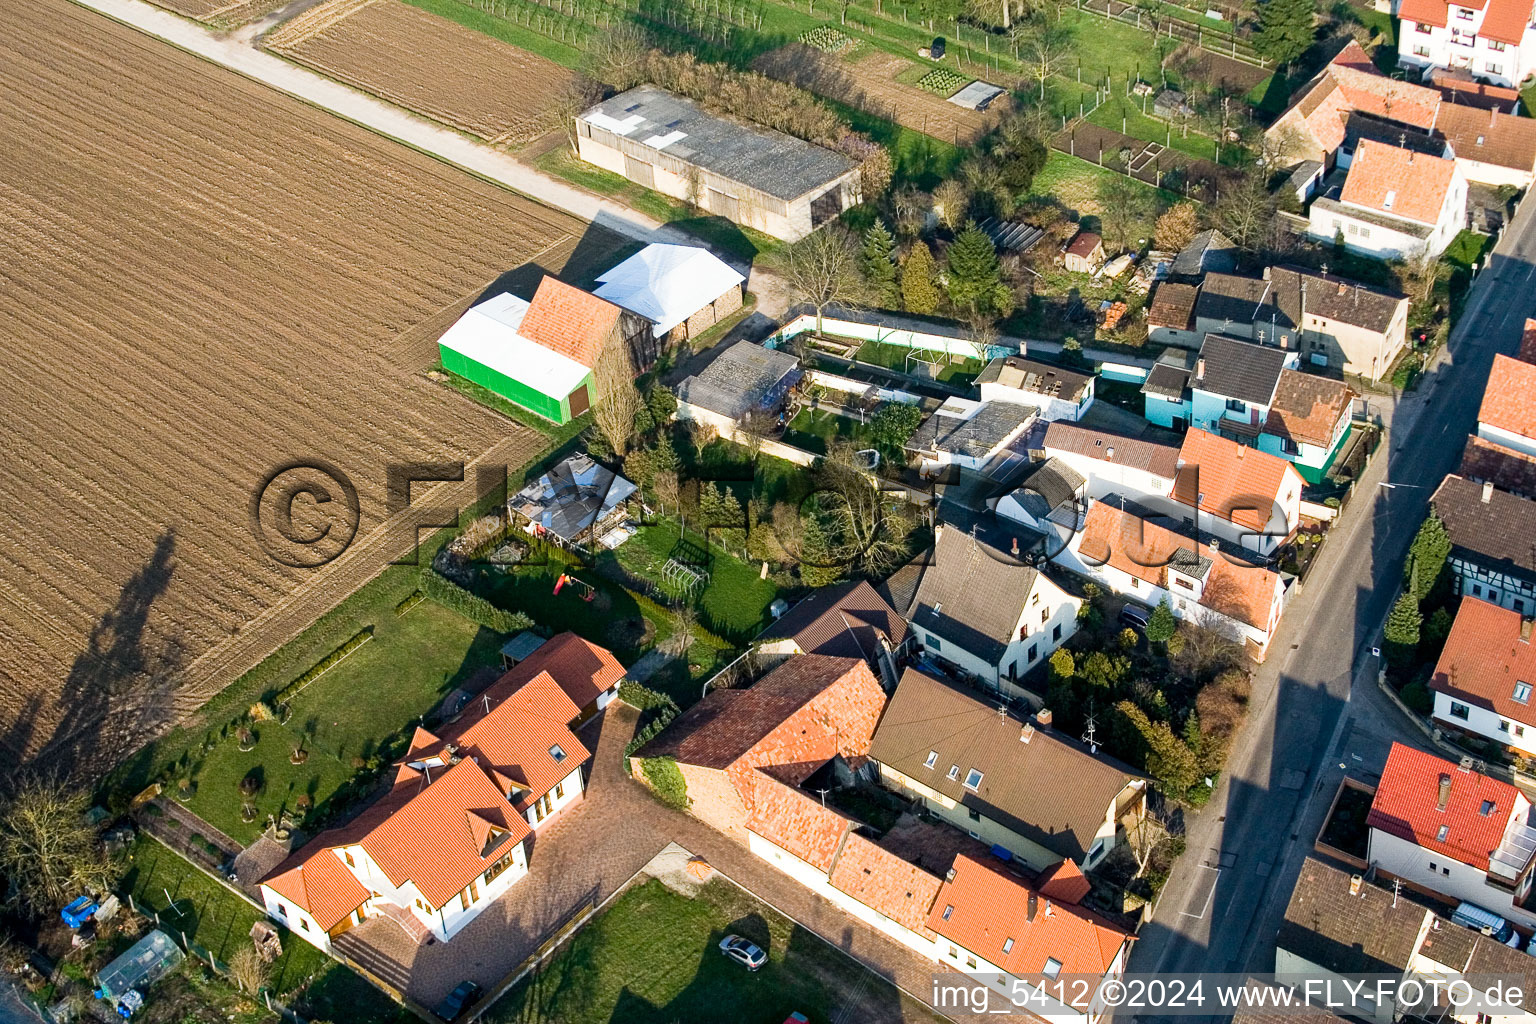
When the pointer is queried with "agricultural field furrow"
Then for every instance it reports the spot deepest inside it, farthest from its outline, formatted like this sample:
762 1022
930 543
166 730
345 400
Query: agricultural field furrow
429 65
202 280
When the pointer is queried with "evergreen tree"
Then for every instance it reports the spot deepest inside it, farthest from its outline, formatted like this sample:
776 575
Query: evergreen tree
818 563
664 458
1168 758
919 292
1063 665
1161 625
879 255
1404 622
974 271
1427 555
1286 29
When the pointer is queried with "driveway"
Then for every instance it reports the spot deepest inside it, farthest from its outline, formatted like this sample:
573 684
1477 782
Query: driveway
585 855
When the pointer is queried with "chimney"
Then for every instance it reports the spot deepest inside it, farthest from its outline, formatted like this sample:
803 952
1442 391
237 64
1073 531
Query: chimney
1043 718
1027 733
1242 450
1525 630
1444 796
1214 546
1343 287
1048 911
938 528
1487 491
1200 368
949 876
1015 547
1354 884
1034 902
1109 454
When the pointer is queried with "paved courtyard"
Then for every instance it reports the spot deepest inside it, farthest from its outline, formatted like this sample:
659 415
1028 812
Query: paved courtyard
584 856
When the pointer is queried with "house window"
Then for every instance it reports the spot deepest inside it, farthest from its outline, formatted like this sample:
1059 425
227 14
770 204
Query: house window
1445 872
933 642
1464 13
1236 405
949 908
474 892
1496 46
348 858
1135 583
1045 614
1493 69
954 954
280 910
559 790
1443 831
1035 599
1523 692
557 752
1477 590
1389 199
1052 968
1007 946
303 924
1460 711
1519 730
1182 582
970 961
1433 867
1425 28
420 904
464 900
972 779
954 772
1421 51
1288 446
1056 633
974 814
1488 805
1503 726
1033 651
1094 851
497 868
933 755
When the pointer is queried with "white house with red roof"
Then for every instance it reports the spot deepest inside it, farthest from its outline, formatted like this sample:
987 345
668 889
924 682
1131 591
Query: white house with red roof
448 838
1507 416
1242 496
1454 833
1495 40
1396 203
1485 680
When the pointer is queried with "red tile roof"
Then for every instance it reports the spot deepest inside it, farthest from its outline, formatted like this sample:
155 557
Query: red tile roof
1144 549
1406 801
316 881
1488 136
1307 408
1232 481
1504 21
982 908
569 321
1509 403
438 837
885 883
795 822
1508 470
1461 88
1064 882
1084 244
1490 649
1398 182
583 669
517 738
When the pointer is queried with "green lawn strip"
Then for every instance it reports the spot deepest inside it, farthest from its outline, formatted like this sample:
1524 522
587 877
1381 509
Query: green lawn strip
209 915
1464 252
652 958
506 30
813 429
733 603
896 357
1125 115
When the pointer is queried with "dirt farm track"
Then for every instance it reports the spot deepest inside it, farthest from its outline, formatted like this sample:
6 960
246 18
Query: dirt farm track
201 280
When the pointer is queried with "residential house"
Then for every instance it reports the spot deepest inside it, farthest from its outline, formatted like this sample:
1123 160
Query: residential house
1246 497
540 355
1058 393
850 620
1507 416
1485 676
1486 462
987 613
449 836
1229 388
1208 252
1111 463
575 501
806 712
1491 532
744 380
1308 422
1329 320
1337 924
1492 148
1454 833
1035 796
1450 951
1147 558
1395 204
1048 501
1493 39
1462 88
970 434
1084 254
1171 315
683 290
752 176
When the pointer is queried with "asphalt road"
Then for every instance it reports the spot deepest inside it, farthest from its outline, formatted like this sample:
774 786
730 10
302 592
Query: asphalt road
1317 713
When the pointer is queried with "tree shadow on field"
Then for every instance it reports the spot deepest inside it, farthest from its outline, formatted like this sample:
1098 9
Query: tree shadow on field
598 249
120 686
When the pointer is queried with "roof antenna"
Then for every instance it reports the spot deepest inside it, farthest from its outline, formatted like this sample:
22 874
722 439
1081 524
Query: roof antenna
823 793
1091 731
1397 887
486 697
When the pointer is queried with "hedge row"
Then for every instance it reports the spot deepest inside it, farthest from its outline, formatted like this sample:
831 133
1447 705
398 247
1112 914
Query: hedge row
667 781
472 606
412 599
290 691
656 713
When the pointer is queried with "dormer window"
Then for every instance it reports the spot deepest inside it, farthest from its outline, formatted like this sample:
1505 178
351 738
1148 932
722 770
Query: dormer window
1523 693
1487 808
972 779
557 752
1052 967
933 755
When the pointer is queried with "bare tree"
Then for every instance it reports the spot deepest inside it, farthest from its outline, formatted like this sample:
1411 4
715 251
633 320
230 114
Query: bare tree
912 205
1418 276
870 531
684 615
666 488
248 970
1146 838
1044 49
574 98
1246 212
752 430
952 202
617 398
823 268
1205 652
47 851
618 57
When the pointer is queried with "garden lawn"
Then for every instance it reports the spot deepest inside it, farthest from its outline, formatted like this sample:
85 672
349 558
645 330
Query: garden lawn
374 695
652 958
962 371
733 603
813 429
194 906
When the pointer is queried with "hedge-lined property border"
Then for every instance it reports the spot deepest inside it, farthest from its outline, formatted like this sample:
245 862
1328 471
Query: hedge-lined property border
323 666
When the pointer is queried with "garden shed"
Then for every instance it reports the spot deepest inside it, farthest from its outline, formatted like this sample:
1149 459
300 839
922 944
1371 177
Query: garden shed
146 962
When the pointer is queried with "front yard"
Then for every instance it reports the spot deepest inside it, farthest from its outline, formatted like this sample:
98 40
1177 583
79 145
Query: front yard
651 958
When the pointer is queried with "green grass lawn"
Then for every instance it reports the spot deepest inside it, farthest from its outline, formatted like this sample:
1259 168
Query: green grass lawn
193 905
503 29
962 371
651 958
374 695
733 603
813 429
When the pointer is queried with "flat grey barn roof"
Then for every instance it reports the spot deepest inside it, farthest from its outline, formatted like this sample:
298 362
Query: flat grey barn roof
780 165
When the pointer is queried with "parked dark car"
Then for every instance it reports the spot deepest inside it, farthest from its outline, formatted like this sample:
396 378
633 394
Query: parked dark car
936 51
459 1000
1134 616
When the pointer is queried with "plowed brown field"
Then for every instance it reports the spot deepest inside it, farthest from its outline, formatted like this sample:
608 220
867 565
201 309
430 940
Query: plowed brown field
201 279
428 64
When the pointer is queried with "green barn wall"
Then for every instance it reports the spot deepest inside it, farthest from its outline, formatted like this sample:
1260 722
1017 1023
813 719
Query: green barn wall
550 407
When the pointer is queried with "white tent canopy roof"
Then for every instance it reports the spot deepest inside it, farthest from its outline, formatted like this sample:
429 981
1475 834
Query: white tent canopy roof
488 334
667 284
